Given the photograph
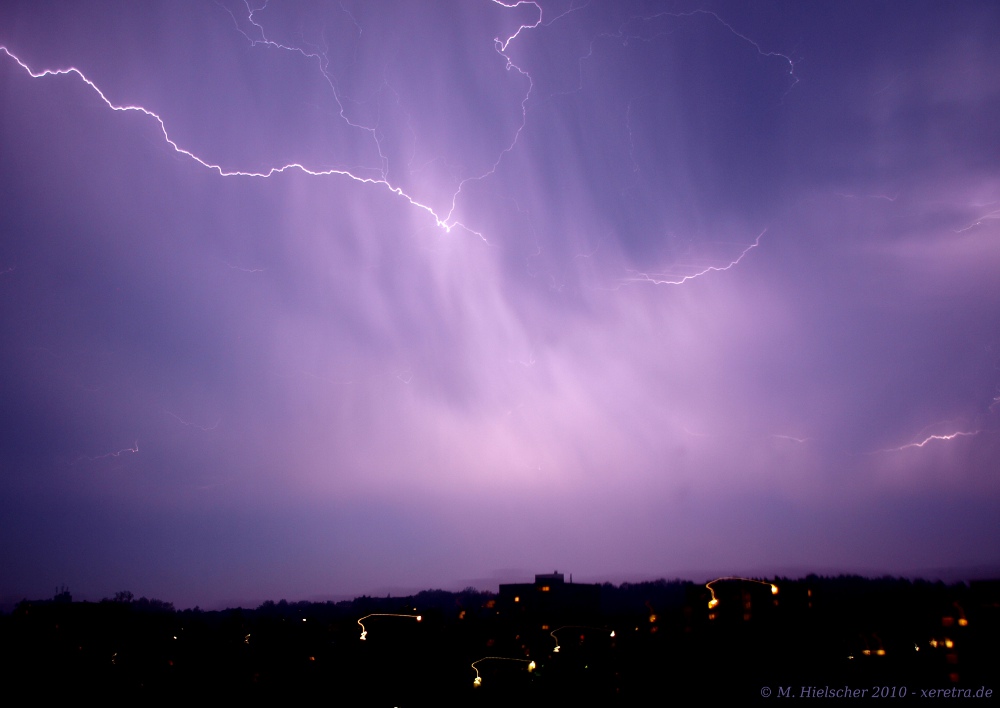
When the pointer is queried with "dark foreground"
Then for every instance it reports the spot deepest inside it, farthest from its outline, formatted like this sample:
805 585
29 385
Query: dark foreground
815 639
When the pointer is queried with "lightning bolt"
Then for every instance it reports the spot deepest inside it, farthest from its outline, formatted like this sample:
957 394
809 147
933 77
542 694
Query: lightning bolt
789 437
665 279
931 438
625 38
118 453
755 45
991 216
886 197
193 425
244 270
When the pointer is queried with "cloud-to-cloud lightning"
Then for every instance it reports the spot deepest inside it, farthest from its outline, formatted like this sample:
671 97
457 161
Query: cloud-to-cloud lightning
664 279
932 438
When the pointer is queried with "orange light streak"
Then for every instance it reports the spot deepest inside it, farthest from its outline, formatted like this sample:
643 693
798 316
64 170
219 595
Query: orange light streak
364 632
575 626
478 681
714 602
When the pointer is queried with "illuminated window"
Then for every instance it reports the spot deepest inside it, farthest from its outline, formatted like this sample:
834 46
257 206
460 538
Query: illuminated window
517 598
545 588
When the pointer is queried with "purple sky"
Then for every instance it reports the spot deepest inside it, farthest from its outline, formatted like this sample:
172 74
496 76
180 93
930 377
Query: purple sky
623 289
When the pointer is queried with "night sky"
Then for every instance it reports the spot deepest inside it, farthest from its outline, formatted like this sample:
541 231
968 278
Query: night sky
330 298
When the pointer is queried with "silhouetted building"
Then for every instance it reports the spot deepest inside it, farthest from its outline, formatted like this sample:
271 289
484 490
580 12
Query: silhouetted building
550 600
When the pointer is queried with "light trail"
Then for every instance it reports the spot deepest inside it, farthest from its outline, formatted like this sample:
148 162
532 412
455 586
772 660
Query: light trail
478 681
575 626
714 602
364 632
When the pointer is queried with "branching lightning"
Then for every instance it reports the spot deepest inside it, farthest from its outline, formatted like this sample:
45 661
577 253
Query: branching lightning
254 32
755 45
625 37
443 222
